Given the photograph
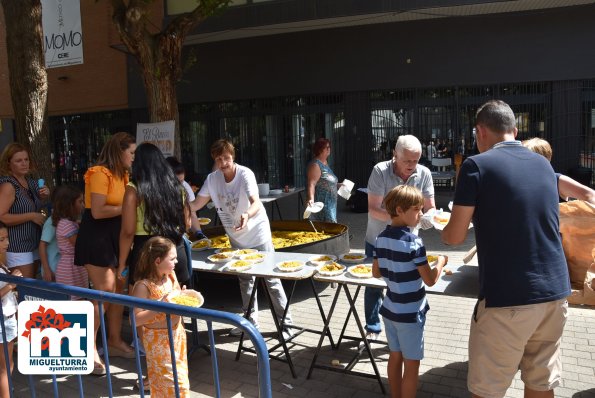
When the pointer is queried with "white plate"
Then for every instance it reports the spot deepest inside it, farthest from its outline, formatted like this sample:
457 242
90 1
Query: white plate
204 220
359 275
438 225
241 252
203 246
214 259
279 266
359 259
324 272
432 263
314 260
232 252
313 208
274 192
260 259
230 266
191 293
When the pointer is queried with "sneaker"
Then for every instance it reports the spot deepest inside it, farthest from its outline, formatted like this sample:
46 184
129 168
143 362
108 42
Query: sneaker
237 332
370 336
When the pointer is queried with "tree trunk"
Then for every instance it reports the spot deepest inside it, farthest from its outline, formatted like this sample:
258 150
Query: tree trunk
28 80
160 80
160 54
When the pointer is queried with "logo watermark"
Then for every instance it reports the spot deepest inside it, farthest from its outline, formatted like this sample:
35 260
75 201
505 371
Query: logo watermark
56 337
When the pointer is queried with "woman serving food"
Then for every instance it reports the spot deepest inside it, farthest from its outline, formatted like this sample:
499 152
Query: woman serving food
234 192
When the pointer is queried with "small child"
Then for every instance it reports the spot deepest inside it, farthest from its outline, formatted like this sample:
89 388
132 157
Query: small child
9 310
400 259
68 205
156 280
49 255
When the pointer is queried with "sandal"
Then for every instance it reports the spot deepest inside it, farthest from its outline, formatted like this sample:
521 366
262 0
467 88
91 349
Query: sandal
116 352
146 384
98 369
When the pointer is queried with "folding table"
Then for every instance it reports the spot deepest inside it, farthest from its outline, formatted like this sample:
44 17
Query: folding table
268 269
463 277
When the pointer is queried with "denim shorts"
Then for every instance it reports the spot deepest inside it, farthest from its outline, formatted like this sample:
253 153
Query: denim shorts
10 325
407 338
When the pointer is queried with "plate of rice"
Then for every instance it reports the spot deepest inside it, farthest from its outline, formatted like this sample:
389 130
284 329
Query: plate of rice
200 245
432 259
321 259
189 297
241 252
290 266
353 258
331 269
204 221
220 257
226 250
239 265
361 271
254 257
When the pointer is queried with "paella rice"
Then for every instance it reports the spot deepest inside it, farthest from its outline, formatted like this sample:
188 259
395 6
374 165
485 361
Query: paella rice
281 239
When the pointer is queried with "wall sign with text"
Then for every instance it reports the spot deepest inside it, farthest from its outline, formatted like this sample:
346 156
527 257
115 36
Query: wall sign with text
62 32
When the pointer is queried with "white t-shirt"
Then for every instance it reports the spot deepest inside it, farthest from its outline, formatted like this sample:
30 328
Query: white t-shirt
9 300
231 199
189 193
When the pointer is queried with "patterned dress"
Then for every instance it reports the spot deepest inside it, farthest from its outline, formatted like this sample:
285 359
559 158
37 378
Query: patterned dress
325 191
66 272
156 342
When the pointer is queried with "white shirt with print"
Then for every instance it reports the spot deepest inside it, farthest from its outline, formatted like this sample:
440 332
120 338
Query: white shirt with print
231 199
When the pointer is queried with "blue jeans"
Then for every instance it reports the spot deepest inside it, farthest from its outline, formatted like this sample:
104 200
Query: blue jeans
372 301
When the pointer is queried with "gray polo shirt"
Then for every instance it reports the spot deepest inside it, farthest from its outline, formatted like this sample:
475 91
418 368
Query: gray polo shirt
383 179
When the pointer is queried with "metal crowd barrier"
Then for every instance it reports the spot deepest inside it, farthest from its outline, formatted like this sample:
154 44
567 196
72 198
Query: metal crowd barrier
41 290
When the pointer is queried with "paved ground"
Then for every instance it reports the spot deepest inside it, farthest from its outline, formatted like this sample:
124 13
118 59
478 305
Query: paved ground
443 371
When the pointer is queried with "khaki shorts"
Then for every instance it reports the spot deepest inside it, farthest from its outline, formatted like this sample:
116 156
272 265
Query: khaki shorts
506 339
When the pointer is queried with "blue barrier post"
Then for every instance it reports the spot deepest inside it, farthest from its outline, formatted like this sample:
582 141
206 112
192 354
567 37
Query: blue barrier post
42 287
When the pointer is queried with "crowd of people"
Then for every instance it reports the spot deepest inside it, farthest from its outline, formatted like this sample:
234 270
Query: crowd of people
521 309
132 216
126 230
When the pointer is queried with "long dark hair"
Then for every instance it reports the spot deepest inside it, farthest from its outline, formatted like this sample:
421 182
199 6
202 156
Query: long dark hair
160 192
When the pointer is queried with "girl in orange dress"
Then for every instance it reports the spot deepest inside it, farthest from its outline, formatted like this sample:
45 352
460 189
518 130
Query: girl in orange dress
156 280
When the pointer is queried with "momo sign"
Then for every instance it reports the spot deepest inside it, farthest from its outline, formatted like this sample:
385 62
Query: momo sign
56 337
62 32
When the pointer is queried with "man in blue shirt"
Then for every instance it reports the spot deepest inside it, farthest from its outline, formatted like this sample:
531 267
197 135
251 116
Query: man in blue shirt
511 195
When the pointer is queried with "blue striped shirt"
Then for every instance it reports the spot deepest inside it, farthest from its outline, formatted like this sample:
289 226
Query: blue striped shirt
399 253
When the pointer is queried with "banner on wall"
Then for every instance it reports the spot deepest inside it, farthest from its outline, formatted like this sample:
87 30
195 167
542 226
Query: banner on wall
159 134
62 32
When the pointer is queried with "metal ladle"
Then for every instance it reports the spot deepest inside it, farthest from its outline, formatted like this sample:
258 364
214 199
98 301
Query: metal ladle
314 208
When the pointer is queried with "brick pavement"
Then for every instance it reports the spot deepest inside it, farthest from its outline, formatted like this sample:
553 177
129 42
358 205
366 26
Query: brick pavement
442 372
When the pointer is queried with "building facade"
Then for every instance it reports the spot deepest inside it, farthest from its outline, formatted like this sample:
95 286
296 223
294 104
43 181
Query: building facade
275 75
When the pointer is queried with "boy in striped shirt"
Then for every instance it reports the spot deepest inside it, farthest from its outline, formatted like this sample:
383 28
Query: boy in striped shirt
400 259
